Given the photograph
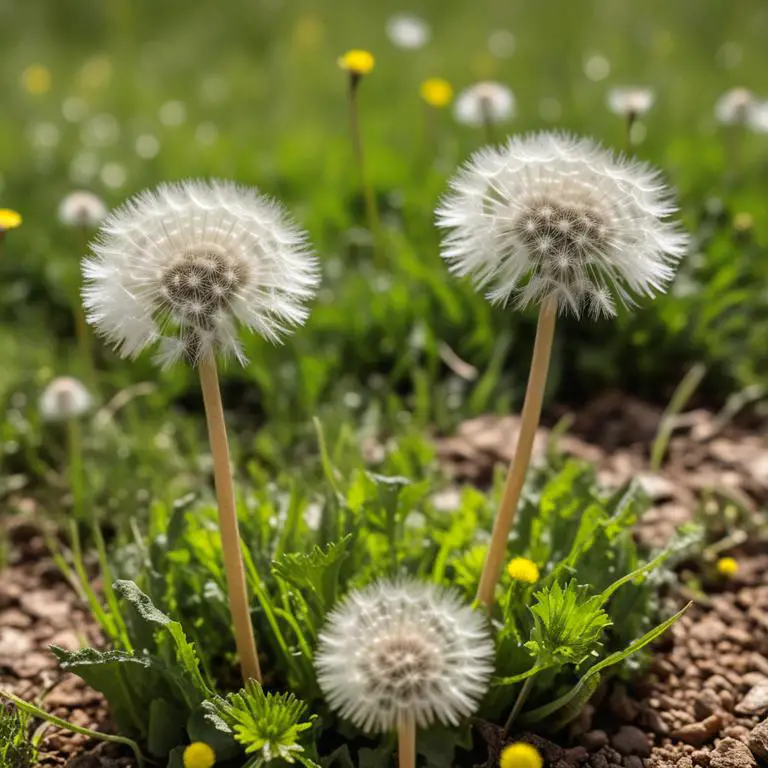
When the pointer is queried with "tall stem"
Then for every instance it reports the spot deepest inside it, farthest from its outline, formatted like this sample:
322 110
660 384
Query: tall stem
406 742
371 209
519 702
76 484
631 117
81 327
230 535
529 422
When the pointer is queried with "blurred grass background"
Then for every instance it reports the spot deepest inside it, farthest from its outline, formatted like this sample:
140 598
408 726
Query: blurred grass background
117 96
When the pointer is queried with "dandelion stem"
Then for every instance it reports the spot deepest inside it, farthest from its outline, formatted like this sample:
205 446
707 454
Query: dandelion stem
518 467
631 116
76 484
487 113
519 702
230 535
371 209
406 742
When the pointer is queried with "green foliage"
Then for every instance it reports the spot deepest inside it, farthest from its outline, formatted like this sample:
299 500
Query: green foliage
17 749
269 726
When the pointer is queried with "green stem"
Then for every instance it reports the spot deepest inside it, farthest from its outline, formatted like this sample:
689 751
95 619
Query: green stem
36 711
521 699
371 209
76 468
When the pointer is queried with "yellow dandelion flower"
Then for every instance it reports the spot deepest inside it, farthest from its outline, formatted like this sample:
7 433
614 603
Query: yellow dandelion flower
36 79
727 566
9 219
523 569
743 222
520 755
437 92
357 62
199 755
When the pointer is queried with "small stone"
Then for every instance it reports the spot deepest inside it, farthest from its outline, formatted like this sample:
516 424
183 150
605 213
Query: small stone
632 761
629 740
730 753
699 733
684 762
758 740
755 702
593 740
759 663
706 704
651 719
727 700
717 682
621 705
701 757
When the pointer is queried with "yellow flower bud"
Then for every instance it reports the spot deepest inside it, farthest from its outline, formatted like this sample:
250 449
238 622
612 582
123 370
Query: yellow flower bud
523 569
357 62
520 755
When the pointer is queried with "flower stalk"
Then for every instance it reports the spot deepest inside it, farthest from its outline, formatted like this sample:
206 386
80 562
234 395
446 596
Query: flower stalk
531 415
230 534
406 742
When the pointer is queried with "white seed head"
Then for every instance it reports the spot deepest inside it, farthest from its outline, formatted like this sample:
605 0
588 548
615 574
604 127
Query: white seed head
734 107
404 650
758 117
554 216
182 264
630 101
82 209
65 398
484 102
407 31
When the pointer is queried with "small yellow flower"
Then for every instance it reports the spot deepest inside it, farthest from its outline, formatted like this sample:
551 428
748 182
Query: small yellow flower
520 755
523 569
199 755
727 566
357 62
9 219
36 79
437 92
743 221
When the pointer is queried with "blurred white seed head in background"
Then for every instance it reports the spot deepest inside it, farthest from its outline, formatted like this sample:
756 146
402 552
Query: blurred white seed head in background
65 398
482 102
82 209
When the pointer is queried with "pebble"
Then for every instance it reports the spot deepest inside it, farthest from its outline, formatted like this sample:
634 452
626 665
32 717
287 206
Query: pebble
758 740
730 753
755 702
699 733
632 761
706 704
594 740
629 740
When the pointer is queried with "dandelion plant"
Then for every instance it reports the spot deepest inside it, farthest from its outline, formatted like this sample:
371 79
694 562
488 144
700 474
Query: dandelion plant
631 103
8 220
398 656
559 223
485 104
181 266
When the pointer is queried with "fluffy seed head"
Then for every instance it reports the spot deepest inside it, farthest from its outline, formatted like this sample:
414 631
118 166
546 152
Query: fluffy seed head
734 107
485 102
630 102
554 216
407 31
407 650
65 398
758 117
181 264
82 209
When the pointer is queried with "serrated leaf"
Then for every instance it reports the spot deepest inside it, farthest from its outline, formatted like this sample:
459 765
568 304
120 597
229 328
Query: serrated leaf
206 724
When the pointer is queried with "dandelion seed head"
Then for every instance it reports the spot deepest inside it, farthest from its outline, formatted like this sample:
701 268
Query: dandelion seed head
758 117
183 264
734 107
483 102
65 398
551 215
404 650
630 101
407 31
82 209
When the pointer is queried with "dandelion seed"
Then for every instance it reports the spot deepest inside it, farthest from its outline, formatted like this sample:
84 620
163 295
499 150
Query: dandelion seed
727 566
404 655
523 569
520 755
199 755
734 107
65 398
182 264
82 209
485 102
556 222
407 31
436 92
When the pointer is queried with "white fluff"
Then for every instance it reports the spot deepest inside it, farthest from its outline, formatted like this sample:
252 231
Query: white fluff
65 398
484 102
630 101
407 31
552 215
735 107
404 650
758 117
181 264
82 209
